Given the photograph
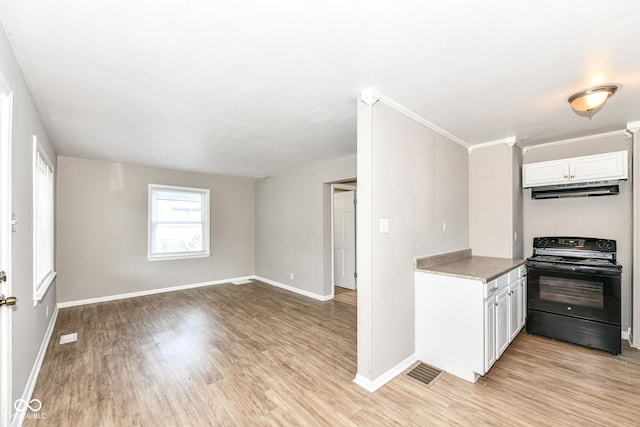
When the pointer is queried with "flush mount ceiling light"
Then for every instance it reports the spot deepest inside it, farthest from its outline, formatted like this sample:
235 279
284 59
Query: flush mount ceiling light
589 101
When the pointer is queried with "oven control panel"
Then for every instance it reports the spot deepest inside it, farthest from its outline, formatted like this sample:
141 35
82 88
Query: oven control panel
577 243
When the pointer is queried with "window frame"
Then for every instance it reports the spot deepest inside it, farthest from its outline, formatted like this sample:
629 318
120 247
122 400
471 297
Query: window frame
206 224
41 284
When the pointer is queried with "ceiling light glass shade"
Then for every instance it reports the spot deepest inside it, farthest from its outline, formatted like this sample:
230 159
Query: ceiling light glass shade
589 101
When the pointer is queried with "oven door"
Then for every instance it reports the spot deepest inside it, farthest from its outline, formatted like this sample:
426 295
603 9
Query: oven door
582 292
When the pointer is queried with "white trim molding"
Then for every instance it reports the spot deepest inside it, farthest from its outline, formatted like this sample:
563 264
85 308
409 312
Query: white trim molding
294 290
633 126
234 281
7 225
371 95
115 297
418 118
372 386
578 139
364 221
510 141
634 334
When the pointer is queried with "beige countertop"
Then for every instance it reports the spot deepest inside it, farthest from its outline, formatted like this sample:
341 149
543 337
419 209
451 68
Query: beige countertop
464 265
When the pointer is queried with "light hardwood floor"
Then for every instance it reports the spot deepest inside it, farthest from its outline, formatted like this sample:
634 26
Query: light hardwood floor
347 296
257 355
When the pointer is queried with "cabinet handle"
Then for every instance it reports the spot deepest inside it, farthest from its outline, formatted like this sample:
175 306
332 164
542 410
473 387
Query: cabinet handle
496 304
566 176
573 176
493 289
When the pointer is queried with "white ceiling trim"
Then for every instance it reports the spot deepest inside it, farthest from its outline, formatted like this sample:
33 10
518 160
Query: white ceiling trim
418 118
580 139
633 126
510 141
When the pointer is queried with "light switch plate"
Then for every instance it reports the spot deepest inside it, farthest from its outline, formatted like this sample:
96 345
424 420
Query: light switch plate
384 225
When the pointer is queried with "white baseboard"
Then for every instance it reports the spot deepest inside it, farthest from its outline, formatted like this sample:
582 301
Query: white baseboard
293 289
238 280
626 335
18 416
373 385
149 292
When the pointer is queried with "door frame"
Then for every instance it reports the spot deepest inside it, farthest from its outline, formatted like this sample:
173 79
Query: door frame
6 116
349 187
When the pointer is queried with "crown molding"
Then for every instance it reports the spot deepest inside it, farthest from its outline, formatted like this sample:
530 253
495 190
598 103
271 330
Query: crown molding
407 112
633 126
579 139
370 96
510 141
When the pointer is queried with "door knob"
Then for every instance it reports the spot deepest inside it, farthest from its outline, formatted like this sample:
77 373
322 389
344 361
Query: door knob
8 301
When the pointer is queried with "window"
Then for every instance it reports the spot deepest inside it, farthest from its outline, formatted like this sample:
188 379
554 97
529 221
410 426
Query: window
43 229
178 222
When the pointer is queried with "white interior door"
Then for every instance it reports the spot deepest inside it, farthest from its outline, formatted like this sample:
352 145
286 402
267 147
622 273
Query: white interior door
344 239
5 253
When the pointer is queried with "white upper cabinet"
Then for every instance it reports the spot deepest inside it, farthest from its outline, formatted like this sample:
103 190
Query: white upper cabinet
598 167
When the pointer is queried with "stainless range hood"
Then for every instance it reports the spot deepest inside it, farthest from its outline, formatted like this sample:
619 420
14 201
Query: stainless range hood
582 189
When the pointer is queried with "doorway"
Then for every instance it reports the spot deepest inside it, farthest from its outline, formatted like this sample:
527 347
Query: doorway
344 237
6 107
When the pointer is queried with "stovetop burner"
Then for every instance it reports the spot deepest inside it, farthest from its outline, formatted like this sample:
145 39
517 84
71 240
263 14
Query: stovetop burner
575 251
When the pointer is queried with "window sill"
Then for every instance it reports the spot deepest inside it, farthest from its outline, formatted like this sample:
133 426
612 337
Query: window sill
40 292
170 257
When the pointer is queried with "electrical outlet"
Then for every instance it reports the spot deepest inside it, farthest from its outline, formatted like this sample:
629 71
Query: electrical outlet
291 276
46 312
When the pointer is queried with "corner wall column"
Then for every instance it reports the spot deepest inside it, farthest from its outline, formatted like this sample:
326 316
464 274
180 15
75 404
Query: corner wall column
634 337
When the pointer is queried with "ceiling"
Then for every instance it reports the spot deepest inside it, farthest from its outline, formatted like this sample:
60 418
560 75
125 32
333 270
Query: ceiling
254 88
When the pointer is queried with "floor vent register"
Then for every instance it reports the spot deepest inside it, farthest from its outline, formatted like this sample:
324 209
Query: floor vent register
424 373
69 338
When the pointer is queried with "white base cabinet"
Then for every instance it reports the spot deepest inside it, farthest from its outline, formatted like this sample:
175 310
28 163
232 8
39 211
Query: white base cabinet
462 325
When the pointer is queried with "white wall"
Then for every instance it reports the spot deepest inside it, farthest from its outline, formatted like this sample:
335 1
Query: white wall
293 225
415 178
29 323
608 217
102 218
495 201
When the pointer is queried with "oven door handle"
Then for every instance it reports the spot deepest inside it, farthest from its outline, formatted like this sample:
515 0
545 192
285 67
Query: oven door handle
581 269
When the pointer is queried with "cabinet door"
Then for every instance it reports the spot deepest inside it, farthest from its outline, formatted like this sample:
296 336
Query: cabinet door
600 166
514 309
489 333
502 321
545 173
